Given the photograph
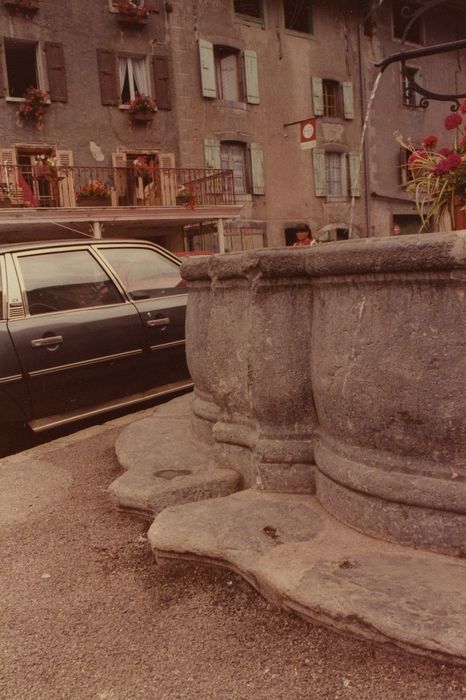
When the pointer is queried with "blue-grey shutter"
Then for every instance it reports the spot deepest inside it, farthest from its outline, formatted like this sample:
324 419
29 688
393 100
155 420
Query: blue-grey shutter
317 96
348 100
257 169
320 180
212 153
207 65
251 76
354 172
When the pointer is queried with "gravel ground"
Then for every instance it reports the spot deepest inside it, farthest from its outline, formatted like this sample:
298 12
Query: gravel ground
86 614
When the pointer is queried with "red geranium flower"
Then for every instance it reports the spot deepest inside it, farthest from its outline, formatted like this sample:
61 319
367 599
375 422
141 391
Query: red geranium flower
430 141
463 107
452 121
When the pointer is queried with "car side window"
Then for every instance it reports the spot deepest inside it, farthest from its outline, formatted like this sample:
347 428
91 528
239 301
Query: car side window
145 273
65 280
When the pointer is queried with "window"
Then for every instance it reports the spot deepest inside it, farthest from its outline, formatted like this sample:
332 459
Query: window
66 280
226 64
336 173
408 79
298 15
336 183
21 66
132 78
331 96
403 13
249 8
222 76
145 273
233 157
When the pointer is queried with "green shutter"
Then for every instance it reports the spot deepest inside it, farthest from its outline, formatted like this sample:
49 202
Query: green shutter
348 108
257 169
317 96
207 64
252 77
354 172
320 181
212 153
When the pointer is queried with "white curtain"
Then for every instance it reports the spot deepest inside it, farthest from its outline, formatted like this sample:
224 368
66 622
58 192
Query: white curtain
139 76
122 70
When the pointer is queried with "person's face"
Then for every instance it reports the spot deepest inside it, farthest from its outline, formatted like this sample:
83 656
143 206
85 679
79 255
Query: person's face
302 235
396 230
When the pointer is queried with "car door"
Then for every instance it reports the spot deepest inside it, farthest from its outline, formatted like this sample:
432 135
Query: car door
153 282
81 343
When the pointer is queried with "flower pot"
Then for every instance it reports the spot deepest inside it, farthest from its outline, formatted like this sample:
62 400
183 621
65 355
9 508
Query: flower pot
142 117
459 222
94 202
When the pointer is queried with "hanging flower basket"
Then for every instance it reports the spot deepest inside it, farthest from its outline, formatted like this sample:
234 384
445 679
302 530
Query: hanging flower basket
26 6
185 197
129 15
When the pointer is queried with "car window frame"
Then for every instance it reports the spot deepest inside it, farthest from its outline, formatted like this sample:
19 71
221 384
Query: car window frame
17 255
143 246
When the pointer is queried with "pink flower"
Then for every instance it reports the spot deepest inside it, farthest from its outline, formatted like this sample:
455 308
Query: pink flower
430 141
444 151
452 162
452 121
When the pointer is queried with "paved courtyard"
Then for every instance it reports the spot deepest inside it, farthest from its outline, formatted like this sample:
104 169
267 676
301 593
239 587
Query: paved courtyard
87 615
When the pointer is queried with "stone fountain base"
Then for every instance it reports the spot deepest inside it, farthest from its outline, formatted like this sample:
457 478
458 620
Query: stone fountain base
286 545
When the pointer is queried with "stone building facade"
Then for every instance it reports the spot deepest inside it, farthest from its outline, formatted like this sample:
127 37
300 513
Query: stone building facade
232 80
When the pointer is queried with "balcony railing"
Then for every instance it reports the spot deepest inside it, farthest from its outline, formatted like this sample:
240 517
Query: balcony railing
37 186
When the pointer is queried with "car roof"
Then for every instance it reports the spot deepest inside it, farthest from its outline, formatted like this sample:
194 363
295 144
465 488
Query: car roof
35 245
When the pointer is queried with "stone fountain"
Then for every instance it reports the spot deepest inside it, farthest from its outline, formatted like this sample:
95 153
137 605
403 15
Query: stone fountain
323 452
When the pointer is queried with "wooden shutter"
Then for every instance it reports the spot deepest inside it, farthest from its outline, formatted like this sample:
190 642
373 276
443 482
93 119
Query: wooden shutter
317 96
348 100
320 181
207 63
354 172
55 59
168 183
109 91
66 184
162 82
212 153
2 77
251 77
119 176
257 169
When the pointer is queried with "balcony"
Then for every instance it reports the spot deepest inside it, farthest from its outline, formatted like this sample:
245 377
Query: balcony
38 187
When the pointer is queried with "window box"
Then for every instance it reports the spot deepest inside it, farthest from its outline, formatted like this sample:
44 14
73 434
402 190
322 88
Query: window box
94 202
131 22
26 6
142 117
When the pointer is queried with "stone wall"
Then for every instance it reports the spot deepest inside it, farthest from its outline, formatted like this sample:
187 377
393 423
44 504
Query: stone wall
340 369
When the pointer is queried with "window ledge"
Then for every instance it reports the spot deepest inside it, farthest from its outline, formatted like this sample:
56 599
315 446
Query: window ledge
300 35
229 104
250 21
21 99
243 198
337 199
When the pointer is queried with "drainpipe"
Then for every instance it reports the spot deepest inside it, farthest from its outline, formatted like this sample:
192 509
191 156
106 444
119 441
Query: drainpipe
96 229
363 112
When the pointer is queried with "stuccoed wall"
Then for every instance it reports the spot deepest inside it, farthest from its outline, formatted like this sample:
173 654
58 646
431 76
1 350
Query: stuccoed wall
351 354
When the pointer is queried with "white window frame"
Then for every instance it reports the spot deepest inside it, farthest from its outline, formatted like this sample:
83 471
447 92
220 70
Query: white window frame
297 32
42 83
147 90
228 52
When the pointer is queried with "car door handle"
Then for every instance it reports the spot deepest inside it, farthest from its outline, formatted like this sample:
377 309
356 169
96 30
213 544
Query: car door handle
164 321
47 341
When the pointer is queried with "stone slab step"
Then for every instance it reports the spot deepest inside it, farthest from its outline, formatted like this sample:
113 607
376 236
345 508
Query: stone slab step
165 465
298 556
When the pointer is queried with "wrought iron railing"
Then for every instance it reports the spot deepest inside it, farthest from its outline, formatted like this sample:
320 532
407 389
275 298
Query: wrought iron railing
38 186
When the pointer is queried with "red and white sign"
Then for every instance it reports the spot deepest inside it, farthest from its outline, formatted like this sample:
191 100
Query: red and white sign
308 133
